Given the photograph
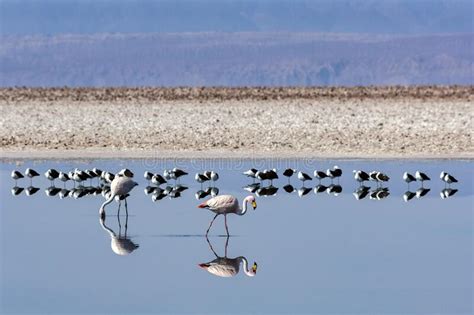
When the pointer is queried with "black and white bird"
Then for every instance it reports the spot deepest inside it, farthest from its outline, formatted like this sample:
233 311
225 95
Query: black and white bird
378 177
303 177
51 175
408 178
126 172
335 172
289 173
251 173
79 176
16 175
108 177
97 172
361 176
271 175
64 177
447 178
422 177
214 176
148 175
30 173
320 175
176 173
201 178
158 180
262 175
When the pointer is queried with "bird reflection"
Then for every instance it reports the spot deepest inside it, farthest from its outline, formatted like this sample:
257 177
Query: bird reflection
227 267
379 193
361 192
17 190
334 189
303 191
267 191
289 188
408 195
30 190
421 192
63 193
252 187
320 188
447 192
52 191
120 243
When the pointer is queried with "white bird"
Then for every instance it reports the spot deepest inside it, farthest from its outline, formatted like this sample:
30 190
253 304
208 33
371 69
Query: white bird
421 177
121 185
226 204
447 178
303 176
16 175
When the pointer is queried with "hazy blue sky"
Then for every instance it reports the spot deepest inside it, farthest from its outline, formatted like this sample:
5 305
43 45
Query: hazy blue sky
349 16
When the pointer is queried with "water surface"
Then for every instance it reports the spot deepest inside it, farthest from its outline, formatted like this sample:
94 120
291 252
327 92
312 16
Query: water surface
319 253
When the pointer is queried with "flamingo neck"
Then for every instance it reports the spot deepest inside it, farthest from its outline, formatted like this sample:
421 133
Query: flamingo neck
106 228
102 208
244 208
246 266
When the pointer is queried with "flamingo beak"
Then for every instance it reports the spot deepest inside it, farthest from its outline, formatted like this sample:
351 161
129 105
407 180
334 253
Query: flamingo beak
254 205
254 267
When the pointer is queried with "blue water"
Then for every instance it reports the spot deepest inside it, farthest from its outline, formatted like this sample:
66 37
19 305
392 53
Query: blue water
319 253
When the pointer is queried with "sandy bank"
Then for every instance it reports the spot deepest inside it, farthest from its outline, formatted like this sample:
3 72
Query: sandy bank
425 124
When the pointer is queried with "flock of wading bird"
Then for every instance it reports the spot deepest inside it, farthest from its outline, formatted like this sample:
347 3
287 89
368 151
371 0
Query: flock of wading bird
118 186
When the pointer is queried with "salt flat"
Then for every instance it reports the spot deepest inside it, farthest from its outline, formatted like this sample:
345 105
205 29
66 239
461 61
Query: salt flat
359 122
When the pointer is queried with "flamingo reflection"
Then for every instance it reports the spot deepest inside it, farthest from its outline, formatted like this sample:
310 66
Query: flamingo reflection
227 267
120 243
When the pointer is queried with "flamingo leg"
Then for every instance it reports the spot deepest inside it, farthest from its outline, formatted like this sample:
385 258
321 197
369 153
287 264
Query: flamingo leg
226 244
226 228
207 232
210 246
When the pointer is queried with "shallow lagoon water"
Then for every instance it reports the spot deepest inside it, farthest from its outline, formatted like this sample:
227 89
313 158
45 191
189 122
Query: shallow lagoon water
319 253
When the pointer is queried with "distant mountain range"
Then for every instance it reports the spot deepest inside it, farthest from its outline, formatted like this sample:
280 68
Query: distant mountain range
235 59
